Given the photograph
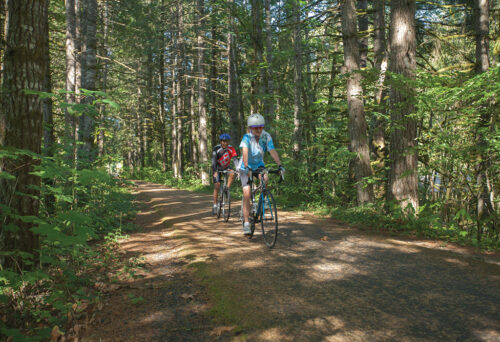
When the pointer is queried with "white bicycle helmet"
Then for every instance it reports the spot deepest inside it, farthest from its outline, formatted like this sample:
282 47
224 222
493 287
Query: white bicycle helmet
255 120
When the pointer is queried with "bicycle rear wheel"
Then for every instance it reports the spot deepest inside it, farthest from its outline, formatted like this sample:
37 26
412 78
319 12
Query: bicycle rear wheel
269 219
226 204
219 202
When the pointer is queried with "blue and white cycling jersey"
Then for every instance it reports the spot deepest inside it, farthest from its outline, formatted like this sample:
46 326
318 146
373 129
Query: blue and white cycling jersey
256 149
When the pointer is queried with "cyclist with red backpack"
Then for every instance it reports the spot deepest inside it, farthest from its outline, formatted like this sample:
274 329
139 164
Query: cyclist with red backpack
221 159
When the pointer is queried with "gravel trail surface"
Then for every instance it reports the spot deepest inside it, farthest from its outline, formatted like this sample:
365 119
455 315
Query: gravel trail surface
324 281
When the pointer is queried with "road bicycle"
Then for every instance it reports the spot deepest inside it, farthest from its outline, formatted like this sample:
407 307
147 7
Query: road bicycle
224 198
264 211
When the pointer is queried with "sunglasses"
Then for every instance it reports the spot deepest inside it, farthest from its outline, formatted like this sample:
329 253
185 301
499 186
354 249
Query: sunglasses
257 127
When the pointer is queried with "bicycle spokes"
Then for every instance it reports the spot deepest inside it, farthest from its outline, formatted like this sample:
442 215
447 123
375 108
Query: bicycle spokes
269 220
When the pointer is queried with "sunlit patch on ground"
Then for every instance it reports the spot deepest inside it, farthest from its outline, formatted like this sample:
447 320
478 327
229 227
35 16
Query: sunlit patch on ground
487 335
322 282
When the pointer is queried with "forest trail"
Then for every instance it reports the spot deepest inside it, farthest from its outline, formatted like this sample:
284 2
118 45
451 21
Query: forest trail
324 281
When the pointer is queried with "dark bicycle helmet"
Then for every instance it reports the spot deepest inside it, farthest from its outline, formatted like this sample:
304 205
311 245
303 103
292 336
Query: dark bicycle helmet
225 136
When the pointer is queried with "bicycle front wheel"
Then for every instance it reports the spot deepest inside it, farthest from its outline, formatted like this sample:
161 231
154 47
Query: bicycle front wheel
226 204
269 219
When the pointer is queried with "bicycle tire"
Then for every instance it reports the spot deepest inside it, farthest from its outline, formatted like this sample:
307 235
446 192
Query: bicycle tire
252 220
226 204
269 219
219 202
252 226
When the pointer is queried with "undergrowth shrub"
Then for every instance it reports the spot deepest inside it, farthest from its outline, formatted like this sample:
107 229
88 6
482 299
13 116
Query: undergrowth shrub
81 211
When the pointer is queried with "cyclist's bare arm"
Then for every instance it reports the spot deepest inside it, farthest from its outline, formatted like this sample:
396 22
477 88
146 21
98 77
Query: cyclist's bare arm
275 156
244 155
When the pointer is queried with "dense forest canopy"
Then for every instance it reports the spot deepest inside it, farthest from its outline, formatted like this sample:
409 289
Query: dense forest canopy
377 106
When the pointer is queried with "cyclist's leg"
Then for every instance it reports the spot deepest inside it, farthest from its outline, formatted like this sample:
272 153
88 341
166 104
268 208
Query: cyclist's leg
266 178
230 179
216 191
246 201
216 181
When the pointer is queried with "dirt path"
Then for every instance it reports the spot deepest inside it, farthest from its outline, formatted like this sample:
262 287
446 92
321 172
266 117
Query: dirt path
323 281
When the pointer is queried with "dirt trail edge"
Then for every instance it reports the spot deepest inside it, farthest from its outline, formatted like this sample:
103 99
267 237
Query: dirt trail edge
323 281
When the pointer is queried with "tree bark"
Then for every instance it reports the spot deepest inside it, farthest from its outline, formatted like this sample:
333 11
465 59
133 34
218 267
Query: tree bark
48 119
482 24
297 79
213 92
202 110
485 207
3 24
180 92
161 96
71 77
88 65
357 122
269 105
233 104
174 134
403 174
363 31
380 62
106 51
21 118
194 132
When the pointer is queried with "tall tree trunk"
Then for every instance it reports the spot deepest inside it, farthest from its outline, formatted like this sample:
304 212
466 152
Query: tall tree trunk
260 81
174 134
3 24
484 204
297 79
89 44
104 76
140 122
71 72
180 90
21 118
363 31
148 113
202 110
357 122
194 132
269 92
213 93
48 120
161 96
233 105
333 75
403 174
256 36
380 61
482 24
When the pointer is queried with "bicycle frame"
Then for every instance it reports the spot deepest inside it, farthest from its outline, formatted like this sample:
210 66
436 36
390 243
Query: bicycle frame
262 188
259 212
223 176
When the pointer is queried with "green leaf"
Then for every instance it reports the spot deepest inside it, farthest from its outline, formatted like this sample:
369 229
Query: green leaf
113 104
6 175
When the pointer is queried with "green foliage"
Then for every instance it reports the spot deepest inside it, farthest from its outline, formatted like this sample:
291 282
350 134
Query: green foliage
88 205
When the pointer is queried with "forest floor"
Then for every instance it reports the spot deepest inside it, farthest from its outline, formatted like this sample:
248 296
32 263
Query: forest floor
323 281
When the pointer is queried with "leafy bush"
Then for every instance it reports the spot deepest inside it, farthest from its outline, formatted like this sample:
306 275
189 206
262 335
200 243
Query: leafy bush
78 207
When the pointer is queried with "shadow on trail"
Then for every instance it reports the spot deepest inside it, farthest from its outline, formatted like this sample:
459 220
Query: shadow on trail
322 281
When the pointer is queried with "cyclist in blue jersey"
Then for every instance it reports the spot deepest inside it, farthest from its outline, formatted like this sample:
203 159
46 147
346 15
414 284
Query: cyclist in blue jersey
253 146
